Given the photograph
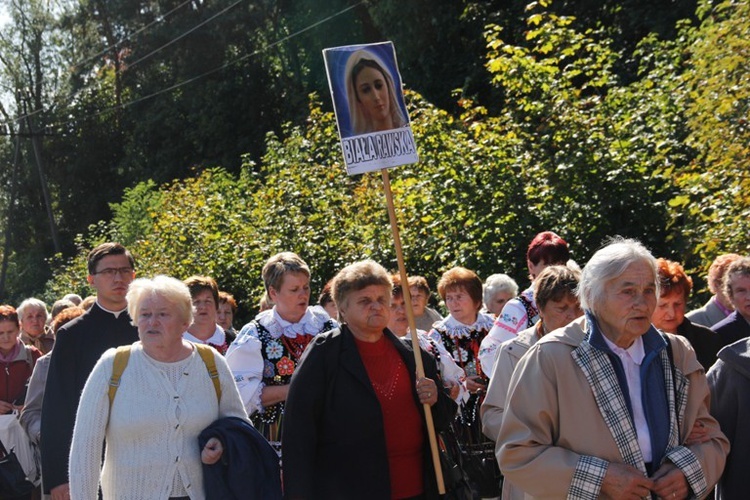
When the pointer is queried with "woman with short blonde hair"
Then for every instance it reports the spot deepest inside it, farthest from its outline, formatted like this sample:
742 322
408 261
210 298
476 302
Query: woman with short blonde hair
164 398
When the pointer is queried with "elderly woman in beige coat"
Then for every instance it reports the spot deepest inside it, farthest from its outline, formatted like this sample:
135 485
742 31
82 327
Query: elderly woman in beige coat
604 406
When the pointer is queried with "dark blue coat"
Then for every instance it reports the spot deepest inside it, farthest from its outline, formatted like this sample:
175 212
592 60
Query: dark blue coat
729 379
249 466
732 328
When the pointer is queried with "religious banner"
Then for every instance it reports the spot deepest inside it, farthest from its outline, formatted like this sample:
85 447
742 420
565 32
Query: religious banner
370 111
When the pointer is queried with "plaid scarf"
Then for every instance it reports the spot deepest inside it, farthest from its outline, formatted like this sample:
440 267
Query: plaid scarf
660 378
605 373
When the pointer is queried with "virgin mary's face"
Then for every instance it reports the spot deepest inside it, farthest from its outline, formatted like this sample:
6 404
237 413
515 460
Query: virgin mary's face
372 92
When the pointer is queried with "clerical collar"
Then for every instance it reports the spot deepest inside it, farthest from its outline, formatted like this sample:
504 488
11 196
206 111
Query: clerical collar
116 314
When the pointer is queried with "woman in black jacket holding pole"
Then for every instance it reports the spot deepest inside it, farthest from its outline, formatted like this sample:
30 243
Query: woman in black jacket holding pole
354 421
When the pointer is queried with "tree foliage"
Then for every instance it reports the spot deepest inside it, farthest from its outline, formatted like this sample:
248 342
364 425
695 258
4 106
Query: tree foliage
713 203
589 146
29 79
300 199
588 118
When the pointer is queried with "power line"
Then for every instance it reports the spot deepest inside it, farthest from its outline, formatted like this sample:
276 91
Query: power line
70 96
214 70
207 73
137 32
183 35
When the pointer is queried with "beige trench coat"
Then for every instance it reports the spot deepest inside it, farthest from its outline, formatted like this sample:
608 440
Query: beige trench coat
506 359
553 431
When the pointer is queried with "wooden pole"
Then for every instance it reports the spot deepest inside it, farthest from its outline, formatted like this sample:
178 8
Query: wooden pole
10 220
37 148
413 329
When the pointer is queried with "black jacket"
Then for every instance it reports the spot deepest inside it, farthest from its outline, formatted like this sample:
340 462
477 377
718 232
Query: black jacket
249 466
705 341
732 328
333 438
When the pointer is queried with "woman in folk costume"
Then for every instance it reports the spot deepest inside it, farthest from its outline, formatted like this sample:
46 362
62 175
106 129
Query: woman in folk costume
267 350
461 334
451 374
205 328
518 314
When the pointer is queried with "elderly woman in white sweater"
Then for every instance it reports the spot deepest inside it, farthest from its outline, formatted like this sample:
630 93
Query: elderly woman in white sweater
165 398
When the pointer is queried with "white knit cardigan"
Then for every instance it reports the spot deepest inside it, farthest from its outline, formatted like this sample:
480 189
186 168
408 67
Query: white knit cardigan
152 431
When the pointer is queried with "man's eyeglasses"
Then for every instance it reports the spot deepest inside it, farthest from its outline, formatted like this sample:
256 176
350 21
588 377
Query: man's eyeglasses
110 272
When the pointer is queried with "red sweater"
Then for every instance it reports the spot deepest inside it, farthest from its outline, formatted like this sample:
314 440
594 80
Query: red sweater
14 374
402 422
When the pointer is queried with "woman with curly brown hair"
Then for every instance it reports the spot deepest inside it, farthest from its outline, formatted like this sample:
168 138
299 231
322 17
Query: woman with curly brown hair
669 315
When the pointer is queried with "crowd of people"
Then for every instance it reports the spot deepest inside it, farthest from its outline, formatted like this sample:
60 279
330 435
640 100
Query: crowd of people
592 382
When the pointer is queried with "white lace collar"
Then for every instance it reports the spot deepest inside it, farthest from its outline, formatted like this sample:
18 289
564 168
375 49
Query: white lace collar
218 337
311 323
455 328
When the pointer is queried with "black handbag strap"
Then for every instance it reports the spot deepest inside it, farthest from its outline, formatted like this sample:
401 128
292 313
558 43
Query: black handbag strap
2 448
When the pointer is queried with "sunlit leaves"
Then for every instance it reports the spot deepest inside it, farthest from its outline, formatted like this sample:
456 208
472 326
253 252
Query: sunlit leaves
574 148
587 142
718 105
459 205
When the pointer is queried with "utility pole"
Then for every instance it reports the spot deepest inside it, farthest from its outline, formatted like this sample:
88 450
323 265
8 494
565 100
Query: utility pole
43 180
11 206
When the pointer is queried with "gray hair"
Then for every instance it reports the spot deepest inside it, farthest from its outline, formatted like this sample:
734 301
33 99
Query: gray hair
59 306
31 303
171 289
499 283
358 276
608 263
74 298
280 264
740 267
554 283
